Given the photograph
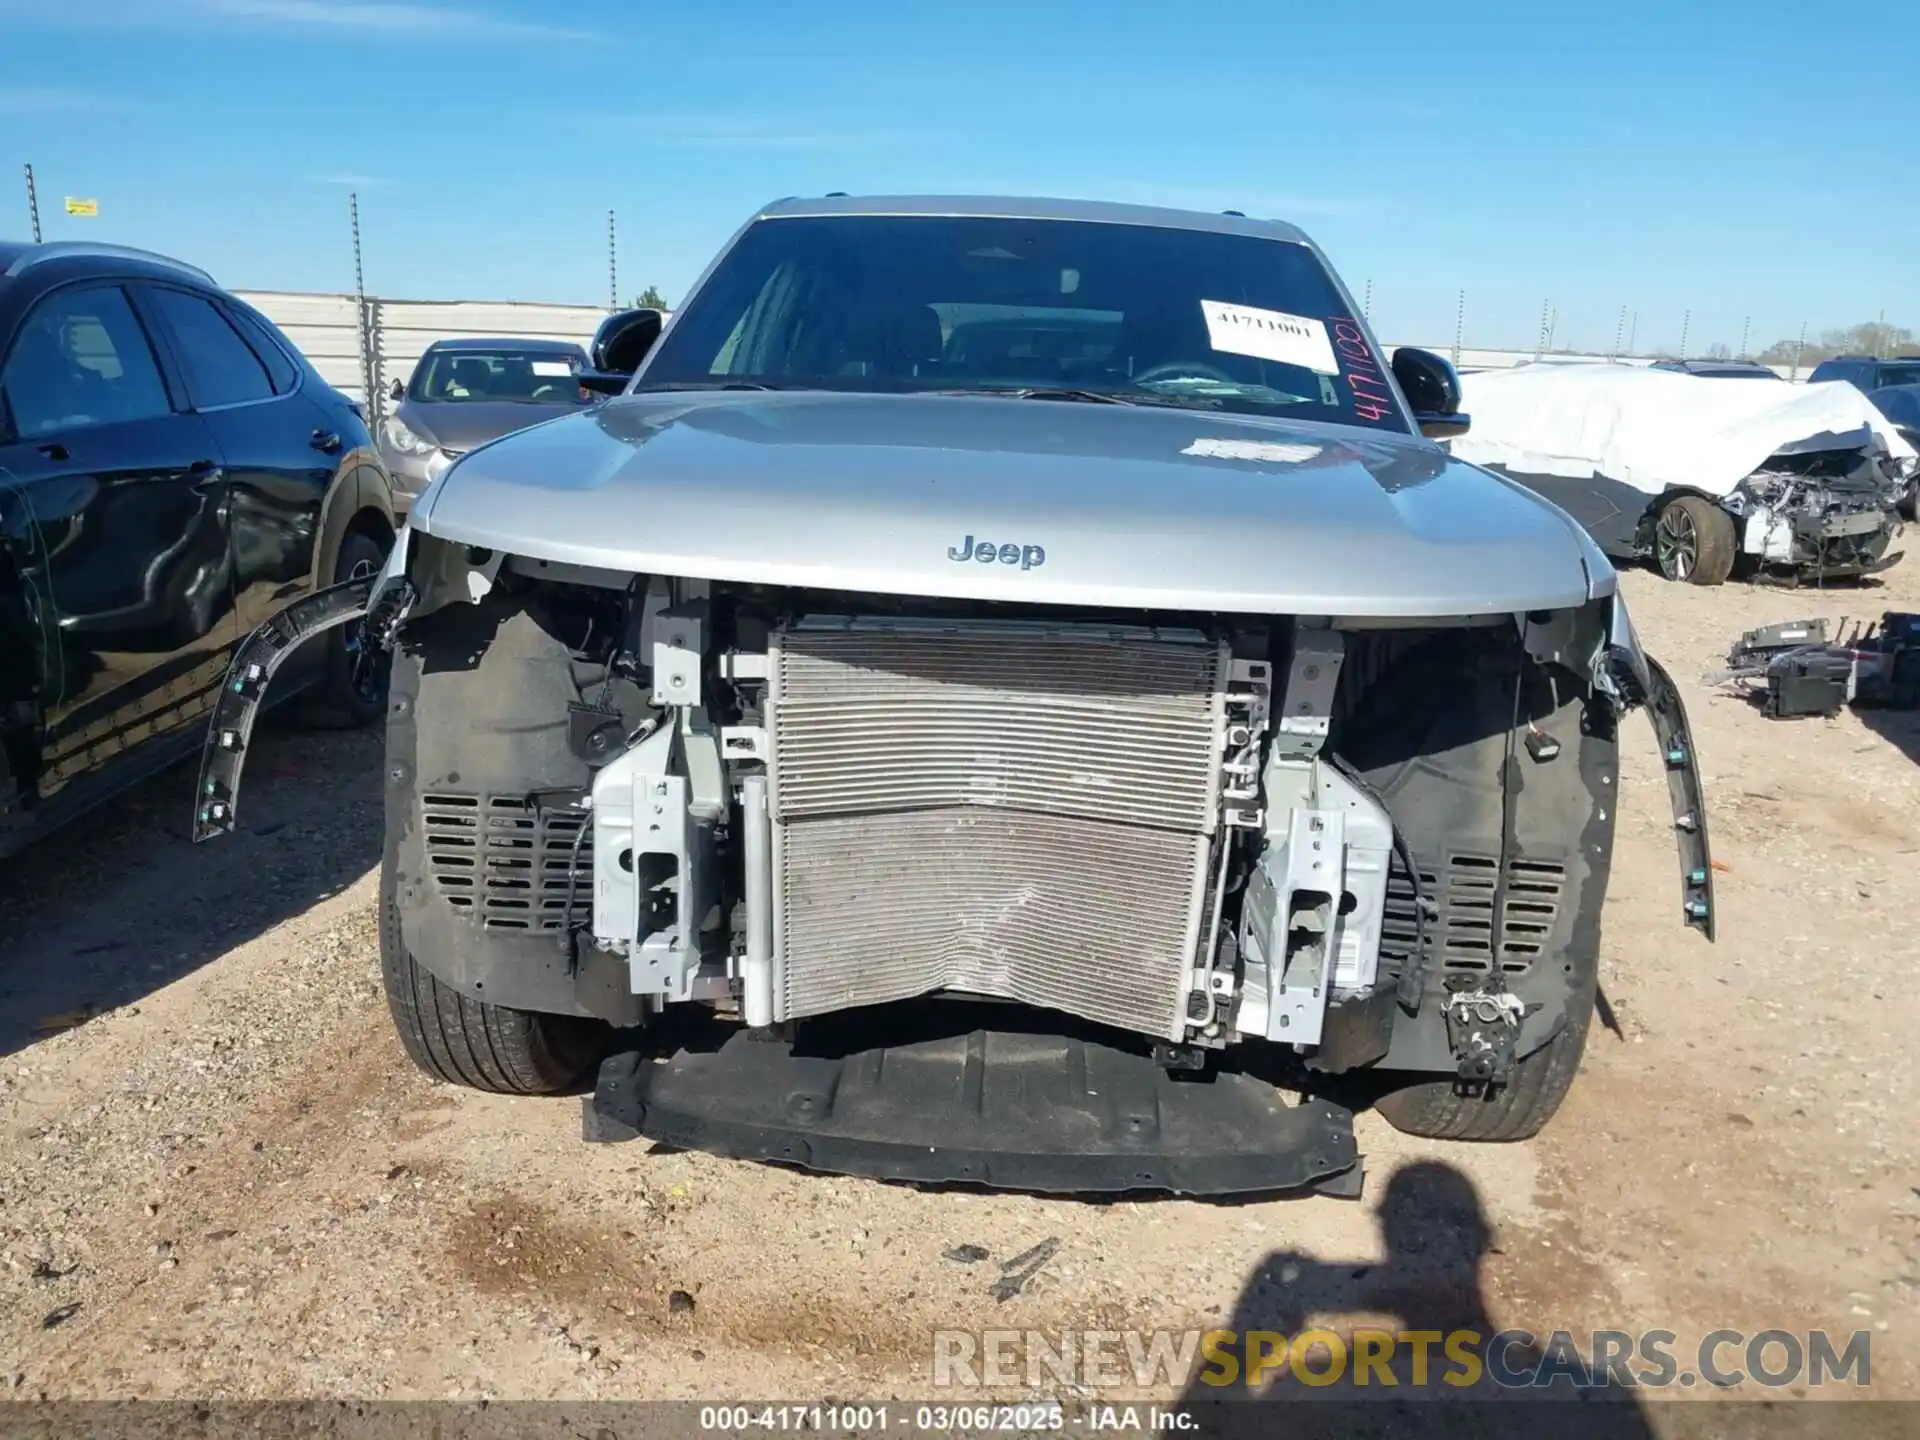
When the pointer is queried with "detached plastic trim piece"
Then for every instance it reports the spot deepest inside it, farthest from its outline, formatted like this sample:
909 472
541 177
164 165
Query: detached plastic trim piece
1042 1112
262 653
1687 797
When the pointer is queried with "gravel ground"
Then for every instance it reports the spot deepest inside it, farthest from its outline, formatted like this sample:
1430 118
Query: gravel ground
223 1179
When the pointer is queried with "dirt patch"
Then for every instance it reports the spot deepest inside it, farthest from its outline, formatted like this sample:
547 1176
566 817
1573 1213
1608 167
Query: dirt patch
511 1248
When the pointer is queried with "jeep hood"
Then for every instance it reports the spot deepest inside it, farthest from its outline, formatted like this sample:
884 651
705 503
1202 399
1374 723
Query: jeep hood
1082 504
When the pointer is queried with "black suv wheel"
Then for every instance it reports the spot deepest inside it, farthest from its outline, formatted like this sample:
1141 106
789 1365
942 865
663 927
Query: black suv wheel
353 691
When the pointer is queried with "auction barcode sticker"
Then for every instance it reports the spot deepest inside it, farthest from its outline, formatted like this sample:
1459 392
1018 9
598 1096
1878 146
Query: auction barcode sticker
1270 335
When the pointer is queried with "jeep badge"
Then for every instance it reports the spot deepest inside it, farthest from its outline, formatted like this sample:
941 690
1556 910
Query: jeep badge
1027 557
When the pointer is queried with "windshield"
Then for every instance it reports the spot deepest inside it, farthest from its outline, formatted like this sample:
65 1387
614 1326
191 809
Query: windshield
541 377
1067 308
1899 375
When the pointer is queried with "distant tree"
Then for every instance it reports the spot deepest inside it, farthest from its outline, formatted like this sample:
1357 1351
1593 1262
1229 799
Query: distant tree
651 299
1719 350
1871 338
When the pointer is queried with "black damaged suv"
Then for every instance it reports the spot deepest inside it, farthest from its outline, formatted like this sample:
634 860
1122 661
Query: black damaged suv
172 472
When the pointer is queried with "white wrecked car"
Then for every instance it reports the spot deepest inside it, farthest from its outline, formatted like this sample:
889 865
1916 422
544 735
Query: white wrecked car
1697 473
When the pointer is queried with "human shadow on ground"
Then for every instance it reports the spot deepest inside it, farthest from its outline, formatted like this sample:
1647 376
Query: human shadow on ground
1899 728
1465 1378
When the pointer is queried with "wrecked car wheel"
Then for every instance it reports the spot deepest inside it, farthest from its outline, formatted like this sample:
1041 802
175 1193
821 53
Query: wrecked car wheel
1693 541
466 1042
353 689
1518 1108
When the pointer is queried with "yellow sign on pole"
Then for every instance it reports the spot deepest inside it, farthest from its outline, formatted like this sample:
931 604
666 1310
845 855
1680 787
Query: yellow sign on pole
82 207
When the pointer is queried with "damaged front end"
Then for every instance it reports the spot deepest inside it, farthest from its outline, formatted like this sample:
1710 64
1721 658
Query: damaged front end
1826 509
1077 860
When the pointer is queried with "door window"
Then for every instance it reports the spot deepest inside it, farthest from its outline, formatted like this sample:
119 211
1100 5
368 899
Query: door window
221 369
81 360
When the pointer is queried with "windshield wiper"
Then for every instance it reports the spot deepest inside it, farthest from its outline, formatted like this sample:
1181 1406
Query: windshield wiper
1050 392
1093 397
1067 392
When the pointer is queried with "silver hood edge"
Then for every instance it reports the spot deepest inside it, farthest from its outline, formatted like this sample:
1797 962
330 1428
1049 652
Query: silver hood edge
1130 508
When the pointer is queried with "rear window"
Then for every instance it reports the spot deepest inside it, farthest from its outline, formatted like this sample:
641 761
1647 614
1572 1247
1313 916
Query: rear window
221 368
268 347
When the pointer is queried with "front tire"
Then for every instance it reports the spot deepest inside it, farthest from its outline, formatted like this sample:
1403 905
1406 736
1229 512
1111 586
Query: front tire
1693 541
466 1042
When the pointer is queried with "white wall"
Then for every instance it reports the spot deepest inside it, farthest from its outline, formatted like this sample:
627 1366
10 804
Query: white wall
327 329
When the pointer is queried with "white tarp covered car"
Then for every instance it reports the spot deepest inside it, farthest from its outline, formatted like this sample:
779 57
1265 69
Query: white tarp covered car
1696 473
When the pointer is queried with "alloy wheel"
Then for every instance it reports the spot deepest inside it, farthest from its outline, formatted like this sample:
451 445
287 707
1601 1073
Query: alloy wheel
1676 543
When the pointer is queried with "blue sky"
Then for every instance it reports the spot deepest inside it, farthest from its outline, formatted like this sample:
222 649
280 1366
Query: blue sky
1733 160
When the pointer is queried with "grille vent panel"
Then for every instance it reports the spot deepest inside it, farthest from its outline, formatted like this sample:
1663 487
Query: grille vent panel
1462 935
504 862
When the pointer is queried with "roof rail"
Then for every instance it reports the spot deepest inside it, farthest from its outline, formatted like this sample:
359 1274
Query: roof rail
62 249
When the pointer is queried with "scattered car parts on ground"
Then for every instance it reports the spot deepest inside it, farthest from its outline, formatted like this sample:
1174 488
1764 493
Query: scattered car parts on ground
1794 669
1795 482
974 661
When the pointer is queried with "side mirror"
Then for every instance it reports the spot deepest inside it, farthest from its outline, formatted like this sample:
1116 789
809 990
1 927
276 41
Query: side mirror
602 382
623 340
1433 390
397 390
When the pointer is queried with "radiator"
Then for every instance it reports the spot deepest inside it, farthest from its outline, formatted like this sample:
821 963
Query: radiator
1017 810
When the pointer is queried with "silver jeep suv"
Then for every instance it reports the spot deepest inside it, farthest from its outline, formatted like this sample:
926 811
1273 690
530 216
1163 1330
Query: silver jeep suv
1012 692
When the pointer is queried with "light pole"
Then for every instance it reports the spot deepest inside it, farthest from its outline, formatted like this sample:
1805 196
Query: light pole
33 205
